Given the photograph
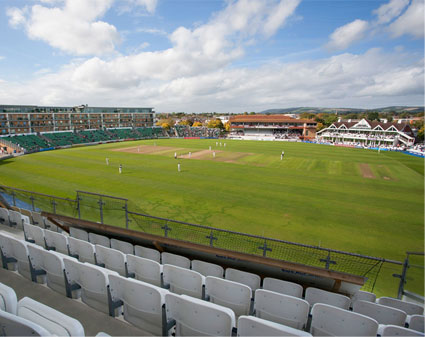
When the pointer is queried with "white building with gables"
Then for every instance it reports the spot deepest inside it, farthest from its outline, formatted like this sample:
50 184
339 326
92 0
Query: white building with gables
368 133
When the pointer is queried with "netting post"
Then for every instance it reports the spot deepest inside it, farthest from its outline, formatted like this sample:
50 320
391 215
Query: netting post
14 198
328 260
402 277
212 238
100 202
32 202
54 206
264 248
78 205
166 229
126 215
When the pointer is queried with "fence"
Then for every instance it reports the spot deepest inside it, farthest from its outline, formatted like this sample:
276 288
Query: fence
412 277
115 211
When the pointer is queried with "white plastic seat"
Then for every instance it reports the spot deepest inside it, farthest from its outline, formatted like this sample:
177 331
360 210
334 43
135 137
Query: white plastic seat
408 308
15 219
251 280
283 287
84 251
100 240
147 253
20 253
233 295
394 330
27 213
381 313
175 260
195 317
314 295
13 325
77 233
207 269
4 216
111 259
142 302
52 320
282 309
93 281
7 251
37 219
54 266
254 326
122 246
363 296
25 219
417 323
56 241
71 275
183 281
328 320
8 299
145 270
35 254
34 234
51 226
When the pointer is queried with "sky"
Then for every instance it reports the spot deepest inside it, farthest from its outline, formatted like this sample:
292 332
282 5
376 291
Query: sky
212 55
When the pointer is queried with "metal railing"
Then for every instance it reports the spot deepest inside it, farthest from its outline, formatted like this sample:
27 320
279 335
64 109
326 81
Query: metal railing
413 270
115 211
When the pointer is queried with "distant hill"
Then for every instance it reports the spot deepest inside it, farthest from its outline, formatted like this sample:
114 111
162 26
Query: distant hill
299 110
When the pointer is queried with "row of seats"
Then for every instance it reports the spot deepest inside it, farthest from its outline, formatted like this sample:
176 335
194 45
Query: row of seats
181 280
239 297
31 318
16 217
157 310
47 140
13 218
149 307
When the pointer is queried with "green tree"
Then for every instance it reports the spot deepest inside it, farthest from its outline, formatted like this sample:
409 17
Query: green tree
185 122
373 116
331 118
166 126
215 124
319 127
420 134
417 124
252 113
168 121
307 115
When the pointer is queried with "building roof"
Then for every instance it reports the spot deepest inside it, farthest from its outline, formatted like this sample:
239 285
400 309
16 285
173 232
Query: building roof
268 119
373 124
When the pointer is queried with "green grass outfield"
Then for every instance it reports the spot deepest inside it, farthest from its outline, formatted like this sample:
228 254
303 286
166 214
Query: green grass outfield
316 195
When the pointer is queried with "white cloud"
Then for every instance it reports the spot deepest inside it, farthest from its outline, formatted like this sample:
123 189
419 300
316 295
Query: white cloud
366 80
128 6
390 10
279 15
410 22
72 28
16 16
154 31
195 73
2 57
345 35
150 5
